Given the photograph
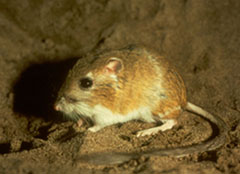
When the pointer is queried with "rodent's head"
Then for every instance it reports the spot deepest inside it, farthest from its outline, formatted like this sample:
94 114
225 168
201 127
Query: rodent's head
90 82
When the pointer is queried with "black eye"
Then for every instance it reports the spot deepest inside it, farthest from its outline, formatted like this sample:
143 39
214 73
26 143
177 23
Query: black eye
85 83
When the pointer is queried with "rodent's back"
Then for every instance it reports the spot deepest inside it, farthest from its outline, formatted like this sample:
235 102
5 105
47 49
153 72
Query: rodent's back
169 88
147 79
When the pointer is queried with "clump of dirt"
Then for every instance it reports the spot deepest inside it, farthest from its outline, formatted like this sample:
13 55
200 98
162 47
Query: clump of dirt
40 41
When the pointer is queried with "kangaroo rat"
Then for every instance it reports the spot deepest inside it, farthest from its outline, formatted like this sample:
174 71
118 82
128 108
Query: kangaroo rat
127 84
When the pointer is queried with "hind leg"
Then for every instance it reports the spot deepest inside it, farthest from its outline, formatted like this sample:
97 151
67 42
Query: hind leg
167 117
167 124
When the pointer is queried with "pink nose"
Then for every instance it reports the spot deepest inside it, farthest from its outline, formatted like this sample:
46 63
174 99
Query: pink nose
56 107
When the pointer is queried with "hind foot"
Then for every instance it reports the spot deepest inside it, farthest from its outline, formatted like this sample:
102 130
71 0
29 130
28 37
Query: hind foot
167 124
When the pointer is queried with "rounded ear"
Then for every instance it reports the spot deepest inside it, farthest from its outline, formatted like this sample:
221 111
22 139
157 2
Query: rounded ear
114 66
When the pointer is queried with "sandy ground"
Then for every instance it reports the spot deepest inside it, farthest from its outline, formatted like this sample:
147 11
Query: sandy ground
39 41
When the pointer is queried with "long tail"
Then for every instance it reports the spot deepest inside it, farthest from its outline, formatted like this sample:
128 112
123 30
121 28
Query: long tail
212 143
219 139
